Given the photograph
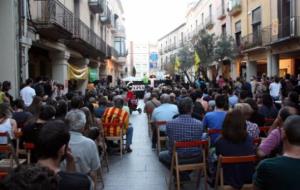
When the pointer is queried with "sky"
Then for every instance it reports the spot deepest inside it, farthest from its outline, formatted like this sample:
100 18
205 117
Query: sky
148 20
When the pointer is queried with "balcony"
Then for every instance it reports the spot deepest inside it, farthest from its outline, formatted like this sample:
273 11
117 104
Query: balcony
118 57
119 31
106 18
235 7
221 14
86 41
96 6
209 24
52 19
288 29
256 41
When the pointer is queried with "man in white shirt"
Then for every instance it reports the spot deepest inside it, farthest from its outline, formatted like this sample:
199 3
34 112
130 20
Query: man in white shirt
275 89
27 93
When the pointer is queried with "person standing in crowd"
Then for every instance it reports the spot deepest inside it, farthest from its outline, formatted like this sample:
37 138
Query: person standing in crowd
232 99
52 148
165 112
84 150
6 86
117 114
27 93
275 89
183 128
35 106
282 172
20 114
214 119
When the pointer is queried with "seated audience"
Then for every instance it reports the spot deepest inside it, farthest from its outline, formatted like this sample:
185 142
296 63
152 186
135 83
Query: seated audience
255 116
268 109
282 172
7 125
52 149
20 115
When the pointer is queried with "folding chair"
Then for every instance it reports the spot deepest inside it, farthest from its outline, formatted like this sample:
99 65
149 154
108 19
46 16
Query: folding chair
175 165
27 147
120 137
232 160
12 161
213 132
157 125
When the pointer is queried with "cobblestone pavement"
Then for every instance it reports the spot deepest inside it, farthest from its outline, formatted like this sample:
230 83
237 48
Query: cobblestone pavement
141 169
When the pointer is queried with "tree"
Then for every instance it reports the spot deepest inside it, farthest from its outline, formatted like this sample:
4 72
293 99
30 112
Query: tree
204 44
225 49
133 71
186 58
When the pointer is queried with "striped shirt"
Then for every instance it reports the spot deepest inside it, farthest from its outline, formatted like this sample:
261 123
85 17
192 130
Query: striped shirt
115 115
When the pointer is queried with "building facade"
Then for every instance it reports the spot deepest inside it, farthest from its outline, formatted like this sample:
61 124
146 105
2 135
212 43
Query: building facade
72 40
266 33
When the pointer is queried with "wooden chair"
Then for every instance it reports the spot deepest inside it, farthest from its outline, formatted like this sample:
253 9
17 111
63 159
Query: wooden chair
120 137
213 132
175 165
12 161
160 138
232 160
27 147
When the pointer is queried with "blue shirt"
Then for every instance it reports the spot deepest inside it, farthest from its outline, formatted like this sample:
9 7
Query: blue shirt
214 120
233 100
164 112
184 128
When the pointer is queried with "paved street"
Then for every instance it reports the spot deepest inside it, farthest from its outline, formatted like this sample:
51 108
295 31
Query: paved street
141 169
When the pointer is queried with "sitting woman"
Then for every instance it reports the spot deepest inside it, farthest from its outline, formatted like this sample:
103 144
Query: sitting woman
268 109
247 111
235 141
7 125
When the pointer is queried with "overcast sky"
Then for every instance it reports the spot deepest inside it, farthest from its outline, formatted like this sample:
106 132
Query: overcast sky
148 20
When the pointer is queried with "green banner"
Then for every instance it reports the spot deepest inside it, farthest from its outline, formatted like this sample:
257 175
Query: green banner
93 74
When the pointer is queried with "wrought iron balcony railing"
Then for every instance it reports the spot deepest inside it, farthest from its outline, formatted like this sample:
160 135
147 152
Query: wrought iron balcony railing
288 27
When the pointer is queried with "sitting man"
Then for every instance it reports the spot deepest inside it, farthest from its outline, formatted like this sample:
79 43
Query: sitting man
183 128
165 112
119 115
84 149
52 149
282 172
215 119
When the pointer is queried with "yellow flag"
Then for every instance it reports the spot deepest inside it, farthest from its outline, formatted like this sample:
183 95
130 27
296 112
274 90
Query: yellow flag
177 64
197 61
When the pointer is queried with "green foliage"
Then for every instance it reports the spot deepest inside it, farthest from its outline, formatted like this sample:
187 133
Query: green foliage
186 58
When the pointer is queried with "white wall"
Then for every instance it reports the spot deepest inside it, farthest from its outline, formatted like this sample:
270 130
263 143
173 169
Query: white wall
9 44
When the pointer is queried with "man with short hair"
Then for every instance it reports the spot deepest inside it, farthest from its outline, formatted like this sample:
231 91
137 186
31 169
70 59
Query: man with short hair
215 119
282 172
84 150
165 112
275 89
183 128
27 93
119 115
52 148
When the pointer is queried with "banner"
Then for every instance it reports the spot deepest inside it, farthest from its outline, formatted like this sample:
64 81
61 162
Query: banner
76 73
197 61
93 74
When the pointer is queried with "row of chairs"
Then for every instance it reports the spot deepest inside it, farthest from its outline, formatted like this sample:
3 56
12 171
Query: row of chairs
204 144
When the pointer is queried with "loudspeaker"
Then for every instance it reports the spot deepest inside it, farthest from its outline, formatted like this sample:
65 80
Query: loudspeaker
109 78
177 78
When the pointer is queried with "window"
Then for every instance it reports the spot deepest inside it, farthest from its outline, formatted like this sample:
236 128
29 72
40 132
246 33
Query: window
256 23
238 33
120 46
224 29
210 12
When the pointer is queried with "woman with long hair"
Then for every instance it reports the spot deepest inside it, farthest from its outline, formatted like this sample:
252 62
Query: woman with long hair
235 141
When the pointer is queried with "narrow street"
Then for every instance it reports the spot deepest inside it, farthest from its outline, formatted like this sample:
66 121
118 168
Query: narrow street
139 170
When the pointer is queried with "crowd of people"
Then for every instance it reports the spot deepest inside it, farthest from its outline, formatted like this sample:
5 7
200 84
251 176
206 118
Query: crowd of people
68 133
